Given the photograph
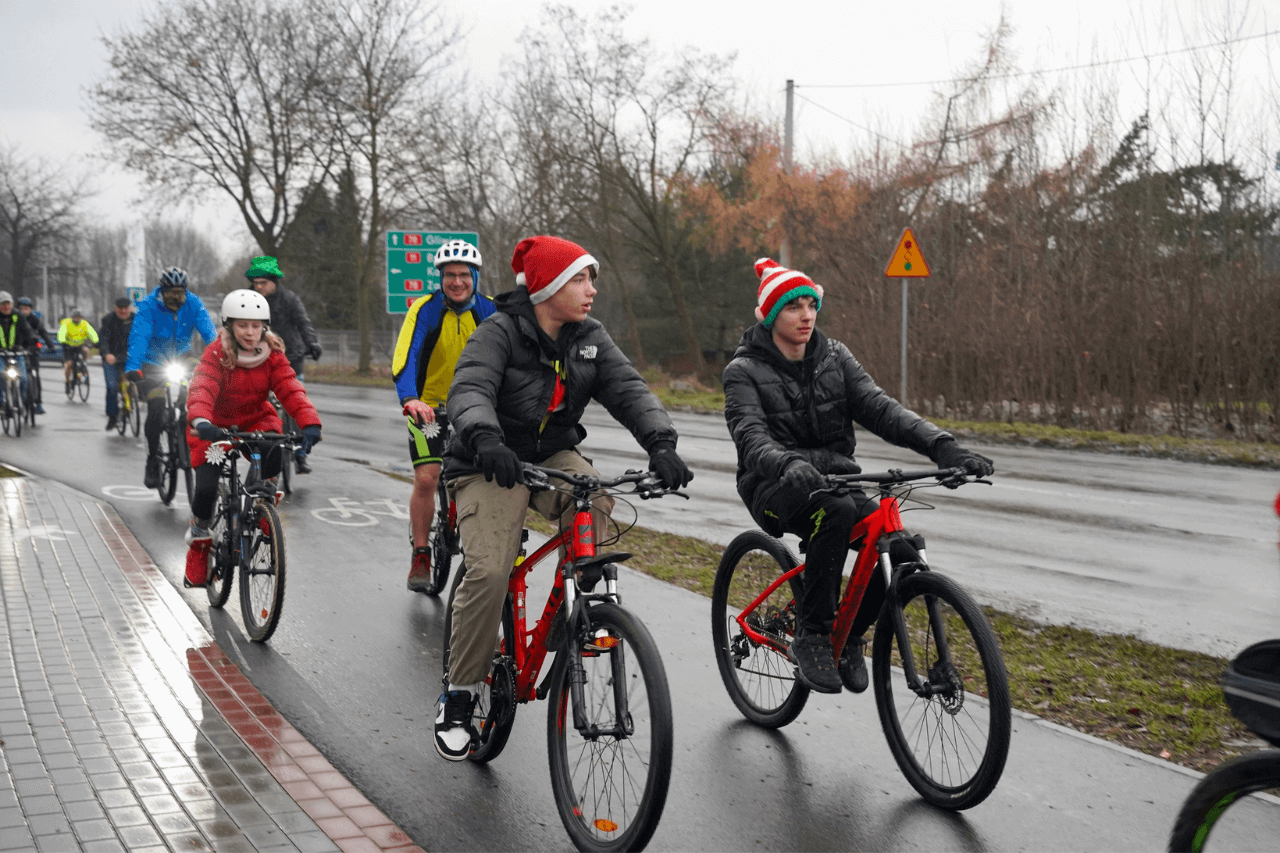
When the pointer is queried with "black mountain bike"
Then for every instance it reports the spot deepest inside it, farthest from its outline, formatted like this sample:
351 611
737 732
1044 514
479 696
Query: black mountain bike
79 381
1251 686
175 455
129 408
12 407
247 537
443 539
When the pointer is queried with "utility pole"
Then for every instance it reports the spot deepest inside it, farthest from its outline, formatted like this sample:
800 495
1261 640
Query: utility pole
784 251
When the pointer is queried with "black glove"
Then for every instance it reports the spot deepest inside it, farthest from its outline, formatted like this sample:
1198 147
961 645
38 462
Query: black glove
310 437
498 462
208 431
133 375
802 477
948 454
315 352
670 468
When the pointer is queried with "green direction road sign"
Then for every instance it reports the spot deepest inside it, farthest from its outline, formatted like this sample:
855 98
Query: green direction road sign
411 271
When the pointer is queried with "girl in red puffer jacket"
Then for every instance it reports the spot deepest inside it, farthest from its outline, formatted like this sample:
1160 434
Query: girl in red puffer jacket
229 391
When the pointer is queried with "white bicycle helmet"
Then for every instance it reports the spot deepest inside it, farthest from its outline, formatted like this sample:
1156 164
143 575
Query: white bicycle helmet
458 251
245 305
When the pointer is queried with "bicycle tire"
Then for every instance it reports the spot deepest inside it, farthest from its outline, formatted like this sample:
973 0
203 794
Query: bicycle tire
13 403
82 384
135 410
972 717
71 387
262 575
1223 787
124 409
760 680
169 471
495 710
599 811
221 566
29 399
6 408
286 471
441 543
184 463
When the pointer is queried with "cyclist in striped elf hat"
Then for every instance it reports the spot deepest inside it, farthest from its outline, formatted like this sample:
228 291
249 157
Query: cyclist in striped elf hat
792 397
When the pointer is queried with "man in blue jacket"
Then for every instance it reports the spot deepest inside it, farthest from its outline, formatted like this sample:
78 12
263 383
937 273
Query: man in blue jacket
161 334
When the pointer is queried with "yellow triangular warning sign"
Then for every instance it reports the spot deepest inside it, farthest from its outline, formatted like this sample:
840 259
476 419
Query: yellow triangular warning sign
907 260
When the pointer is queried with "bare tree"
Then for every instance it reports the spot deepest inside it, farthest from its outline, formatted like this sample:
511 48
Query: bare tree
219 95
178 244
38 211
377 93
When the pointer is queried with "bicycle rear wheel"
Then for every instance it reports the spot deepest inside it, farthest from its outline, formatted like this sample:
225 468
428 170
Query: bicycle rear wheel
760 678
495 709
441 541
169 470
262 575
952 742
610 778
1253 825
13 405
6 407
82 382
221 566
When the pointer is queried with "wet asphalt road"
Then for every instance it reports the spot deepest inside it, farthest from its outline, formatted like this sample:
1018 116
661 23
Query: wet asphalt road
1183 554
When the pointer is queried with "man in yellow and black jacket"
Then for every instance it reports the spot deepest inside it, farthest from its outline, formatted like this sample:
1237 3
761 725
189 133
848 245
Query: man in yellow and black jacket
431 340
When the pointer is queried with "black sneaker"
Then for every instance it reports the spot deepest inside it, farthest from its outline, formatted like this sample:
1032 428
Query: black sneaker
815 666
111 423
151 479
300 464
853 665
454 732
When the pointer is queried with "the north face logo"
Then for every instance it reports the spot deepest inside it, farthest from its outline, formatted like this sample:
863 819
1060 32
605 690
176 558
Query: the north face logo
588 352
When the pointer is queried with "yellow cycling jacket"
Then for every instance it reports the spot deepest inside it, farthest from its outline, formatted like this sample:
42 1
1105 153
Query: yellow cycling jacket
430 342
75 334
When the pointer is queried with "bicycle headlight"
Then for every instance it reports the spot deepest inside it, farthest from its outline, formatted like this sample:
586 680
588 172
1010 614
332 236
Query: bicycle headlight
12 373
175 372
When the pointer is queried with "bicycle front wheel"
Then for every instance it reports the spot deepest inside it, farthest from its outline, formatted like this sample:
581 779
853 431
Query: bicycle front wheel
262 575
124 408
759 676
82 384
7 408
441 541
221 567
135 410
1253 825
13 405
610 776
169 472
184 463
951 739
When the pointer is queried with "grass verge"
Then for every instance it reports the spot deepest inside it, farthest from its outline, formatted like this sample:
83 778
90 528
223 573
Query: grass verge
1159 701
379 376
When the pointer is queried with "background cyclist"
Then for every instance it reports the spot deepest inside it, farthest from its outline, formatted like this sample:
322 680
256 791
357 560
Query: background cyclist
74 333
792 396
229 388
161 333
431 339
15 334
113 343
39 335
290 322
517 396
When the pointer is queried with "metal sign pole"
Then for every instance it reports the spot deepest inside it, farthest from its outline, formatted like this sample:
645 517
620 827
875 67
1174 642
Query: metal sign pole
902 396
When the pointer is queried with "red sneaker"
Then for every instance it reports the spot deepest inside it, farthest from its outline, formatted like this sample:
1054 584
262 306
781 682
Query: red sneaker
198 562
420 570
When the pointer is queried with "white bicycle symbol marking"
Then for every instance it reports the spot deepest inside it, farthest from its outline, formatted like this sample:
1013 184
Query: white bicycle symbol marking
348 512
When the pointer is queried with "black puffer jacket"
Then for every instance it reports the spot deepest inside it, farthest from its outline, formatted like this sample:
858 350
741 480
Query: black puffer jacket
506 375
289 320
780 411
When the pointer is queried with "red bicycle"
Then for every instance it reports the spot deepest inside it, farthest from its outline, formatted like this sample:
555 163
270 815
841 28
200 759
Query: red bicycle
940 682
609 729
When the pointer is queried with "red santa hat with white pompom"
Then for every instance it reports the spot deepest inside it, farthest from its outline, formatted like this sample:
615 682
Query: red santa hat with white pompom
543 264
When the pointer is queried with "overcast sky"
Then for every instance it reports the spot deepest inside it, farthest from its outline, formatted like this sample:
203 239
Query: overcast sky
51 54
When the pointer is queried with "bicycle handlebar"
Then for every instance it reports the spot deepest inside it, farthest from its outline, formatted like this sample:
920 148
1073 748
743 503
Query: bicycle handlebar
647 483
897 475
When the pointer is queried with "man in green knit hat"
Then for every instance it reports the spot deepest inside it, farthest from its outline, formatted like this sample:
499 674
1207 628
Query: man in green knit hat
289 320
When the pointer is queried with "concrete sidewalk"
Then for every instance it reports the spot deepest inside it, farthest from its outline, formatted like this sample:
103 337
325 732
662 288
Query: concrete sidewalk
123 726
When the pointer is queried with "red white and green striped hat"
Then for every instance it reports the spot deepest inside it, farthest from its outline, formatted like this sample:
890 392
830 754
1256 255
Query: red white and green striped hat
778 286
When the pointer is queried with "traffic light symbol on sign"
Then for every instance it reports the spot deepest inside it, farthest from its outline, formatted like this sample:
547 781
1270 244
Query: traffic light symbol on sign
907 260
413 257
413 285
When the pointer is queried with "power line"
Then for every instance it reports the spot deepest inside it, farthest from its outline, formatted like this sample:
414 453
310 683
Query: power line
1016 74
849 120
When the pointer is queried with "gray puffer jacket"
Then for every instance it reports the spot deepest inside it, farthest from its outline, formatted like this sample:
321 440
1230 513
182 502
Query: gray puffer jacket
780 411
506 375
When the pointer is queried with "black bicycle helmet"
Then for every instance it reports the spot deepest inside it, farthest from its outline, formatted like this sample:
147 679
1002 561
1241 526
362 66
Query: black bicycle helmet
173 277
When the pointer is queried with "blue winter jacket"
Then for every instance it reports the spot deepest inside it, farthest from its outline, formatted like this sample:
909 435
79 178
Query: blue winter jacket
160 335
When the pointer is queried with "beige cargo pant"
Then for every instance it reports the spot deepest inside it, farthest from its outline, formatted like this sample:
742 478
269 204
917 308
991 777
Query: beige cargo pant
490 519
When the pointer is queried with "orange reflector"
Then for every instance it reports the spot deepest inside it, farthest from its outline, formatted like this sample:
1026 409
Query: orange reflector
265 613
606 825
603 643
